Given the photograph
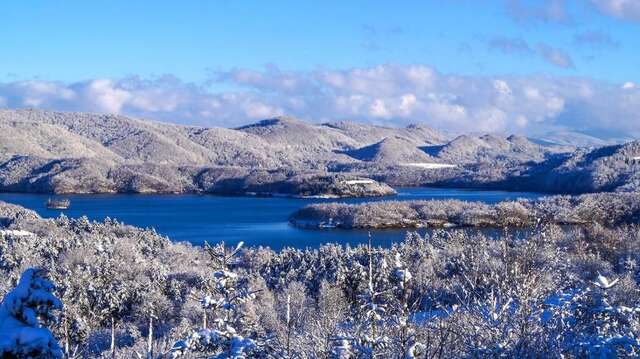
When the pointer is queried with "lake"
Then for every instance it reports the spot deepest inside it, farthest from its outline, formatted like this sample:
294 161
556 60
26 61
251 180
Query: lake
256 221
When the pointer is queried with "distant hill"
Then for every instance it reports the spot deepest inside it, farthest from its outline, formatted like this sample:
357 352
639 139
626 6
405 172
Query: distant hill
575 139
614 168
416 134
271 144
609 168
468 149
393 149
46 151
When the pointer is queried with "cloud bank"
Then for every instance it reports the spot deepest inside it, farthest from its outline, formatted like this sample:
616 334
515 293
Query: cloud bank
393 95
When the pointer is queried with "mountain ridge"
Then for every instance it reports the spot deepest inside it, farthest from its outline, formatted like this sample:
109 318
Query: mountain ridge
66 152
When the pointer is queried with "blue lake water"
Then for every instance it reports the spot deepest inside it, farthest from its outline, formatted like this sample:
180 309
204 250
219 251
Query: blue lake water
256 221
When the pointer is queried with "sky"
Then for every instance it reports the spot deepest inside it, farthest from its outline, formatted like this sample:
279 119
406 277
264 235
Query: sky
503 66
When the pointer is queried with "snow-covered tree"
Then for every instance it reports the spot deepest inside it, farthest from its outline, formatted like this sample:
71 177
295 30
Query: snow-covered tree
323 329
343 347
370 338
401 322
113 290
153 303
292 316
24 315
230 338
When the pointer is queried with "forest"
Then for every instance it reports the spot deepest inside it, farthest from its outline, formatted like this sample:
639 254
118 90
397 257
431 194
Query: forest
74 288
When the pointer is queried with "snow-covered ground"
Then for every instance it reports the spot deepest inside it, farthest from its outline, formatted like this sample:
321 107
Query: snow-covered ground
15 232
359 182
427 165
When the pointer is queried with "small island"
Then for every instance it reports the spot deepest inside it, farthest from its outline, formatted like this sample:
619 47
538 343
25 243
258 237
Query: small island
602 208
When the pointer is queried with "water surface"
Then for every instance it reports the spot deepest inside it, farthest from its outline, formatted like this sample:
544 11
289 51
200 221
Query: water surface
256 221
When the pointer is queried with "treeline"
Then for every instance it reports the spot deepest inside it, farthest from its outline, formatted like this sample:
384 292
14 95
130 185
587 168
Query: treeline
607 209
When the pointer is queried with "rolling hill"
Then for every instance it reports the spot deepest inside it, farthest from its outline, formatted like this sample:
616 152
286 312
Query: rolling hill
65 152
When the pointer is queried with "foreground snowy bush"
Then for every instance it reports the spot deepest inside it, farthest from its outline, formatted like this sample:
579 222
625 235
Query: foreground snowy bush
588 325
24 312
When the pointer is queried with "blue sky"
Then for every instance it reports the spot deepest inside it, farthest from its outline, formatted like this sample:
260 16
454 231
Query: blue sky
75 40
194 50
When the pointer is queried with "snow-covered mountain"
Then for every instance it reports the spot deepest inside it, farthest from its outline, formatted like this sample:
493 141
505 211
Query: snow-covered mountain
44 151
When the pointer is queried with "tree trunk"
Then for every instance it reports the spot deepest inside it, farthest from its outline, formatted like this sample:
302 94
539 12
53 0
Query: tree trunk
113 338
204 319
66 337
288 317
150 339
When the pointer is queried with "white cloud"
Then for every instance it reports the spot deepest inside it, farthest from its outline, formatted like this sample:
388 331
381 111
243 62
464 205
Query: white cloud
623 9
522 121
256 110
378 109
554 105
105 96
35 93
392 95
531 92
502 87
407 104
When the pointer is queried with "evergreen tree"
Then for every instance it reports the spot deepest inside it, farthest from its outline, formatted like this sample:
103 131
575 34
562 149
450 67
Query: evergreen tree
230 338
24 314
